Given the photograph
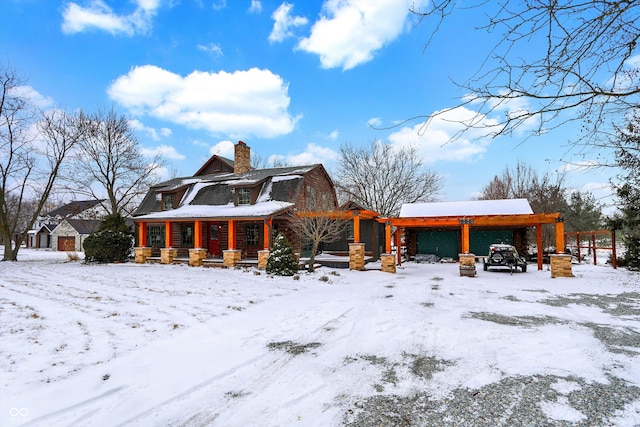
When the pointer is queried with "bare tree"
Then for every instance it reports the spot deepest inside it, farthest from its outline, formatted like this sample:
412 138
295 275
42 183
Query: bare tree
382 177
110 162
317 227
546 193
30 159
585 68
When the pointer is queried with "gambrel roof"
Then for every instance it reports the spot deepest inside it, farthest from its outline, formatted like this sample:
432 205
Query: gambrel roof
212 195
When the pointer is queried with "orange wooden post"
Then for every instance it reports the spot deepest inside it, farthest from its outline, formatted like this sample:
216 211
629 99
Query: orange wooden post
387 235
398 243
168 238
232 235
268 224
198 235
356 228
465 238
560 235
539 244
142 234
614 256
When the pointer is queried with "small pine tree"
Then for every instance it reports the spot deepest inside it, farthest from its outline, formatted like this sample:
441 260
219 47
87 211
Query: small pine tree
112 243
282 261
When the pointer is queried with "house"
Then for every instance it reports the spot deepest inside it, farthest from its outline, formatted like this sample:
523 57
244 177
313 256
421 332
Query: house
227 210
447 229
40 236
70 234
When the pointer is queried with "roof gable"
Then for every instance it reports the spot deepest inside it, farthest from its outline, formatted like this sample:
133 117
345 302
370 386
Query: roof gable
74 208
216 164
466 208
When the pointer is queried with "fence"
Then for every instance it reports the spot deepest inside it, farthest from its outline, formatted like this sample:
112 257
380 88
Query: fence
592 244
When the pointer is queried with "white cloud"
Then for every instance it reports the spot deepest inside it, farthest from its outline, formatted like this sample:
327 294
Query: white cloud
212 48
283 22
441 140
334 135
98 15
312 155
34 97
166 151
350 32
376 122
256 6
154 134
578 166
239 104
223 148
219 5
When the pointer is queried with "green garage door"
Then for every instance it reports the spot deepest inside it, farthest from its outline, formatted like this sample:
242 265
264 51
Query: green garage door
480 240
440 243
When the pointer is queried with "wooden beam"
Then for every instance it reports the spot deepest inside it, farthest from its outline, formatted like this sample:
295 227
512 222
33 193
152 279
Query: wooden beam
232 235
268 224
168 237
142 234
197 241
356 229
539 245
465 238
387 237
560 236
523 220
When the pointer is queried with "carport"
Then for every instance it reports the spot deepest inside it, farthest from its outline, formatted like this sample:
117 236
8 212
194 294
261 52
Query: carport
468 221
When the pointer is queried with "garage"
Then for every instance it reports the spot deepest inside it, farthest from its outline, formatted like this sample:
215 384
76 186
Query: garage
448 229
442 243
66 243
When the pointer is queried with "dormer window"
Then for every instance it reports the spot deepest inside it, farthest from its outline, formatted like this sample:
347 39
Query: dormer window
244 196
167 201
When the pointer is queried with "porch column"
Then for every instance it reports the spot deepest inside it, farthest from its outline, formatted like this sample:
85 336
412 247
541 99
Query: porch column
398 241
356 227
465 234
268 225
560 235
539 244
168 238
232 235
142 234
231 256
387 237
197 241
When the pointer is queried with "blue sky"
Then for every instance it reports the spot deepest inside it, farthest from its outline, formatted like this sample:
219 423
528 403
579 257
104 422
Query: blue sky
292 79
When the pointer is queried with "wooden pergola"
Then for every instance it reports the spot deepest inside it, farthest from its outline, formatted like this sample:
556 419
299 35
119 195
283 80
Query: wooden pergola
464 223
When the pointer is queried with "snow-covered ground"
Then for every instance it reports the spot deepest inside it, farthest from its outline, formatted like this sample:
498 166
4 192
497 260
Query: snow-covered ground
157 345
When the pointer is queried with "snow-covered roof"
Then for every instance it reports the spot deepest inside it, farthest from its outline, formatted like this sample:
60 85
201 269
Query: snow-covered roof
466 208
224 211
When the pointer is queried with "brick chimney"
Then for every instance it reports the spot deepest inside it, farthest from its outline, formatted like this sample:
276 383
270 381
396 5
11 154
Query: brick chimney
242 158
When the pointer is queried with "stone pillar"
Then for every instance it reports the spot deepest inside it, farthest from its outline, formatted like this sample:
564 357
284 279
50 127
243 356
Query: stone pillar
561 265
467 264
356 256
388 263
196 256
141 255
167 255
263 257
231 257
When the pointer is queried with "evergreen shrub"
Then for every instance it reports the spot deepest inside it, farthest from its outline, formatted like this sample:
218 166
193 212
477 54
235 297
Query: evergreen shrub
282 261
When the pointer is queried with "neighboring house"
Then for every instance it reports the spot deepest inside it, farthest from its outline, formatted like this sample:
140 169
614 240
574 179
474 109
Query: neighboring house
227 205
70 234
40 235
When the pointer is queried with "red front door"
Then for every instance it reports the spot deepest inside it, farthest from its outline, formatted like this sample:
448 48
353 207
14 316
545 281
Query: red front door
214 239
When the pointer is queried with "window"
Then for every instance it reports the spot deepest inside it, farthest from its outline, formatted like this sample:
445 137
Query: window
244 196
252 235
168 201
187 235
349 230
312 197
155 236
